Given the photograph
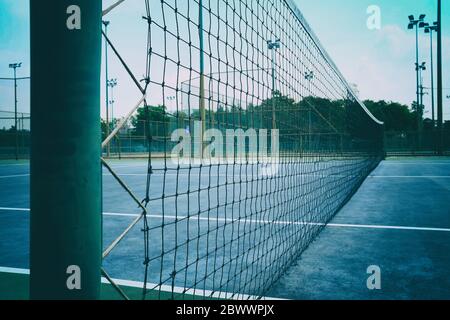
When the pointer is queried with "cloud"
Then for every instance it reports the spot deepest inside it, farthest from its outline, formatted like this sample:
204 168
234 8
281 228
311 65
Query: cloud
396 40
401 42
383 68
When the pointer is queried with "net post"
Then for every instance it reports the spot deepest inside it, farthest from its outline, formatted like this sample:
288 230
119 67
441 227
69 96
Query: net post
65 238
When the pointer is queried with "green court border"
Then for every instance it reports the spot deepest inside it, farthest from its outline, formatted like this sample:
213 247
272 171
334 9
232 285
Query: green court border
15 286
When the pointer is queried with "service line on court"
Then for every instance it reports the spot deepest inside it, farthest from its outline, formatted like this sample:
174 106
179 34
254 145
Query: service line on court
196 218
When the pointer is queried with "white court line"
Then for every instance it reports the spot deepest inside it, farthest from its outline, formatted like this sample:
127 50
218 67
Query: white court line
162 288
196 218
14 209
128 166
288 222
15 176
14 270
362 226
13 164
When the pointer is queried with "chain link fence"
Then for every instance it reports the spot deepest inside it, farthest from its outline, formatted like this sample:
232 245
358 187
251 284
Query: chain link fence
14 127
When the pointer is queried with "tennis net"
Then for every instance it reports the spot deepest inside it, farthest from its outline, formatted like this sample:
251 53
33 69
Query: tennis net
253 139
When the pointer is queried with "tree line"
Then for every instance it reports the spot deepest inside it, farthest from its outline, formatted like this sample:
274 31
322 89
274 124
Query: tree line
326 115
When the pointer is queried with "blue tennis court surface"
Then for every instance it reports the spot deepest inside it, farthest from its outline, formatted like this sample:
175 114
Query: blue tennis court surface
399 220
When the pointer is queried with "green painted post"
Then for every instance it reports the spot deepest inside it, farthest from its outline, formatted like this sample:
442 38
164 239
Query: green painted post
65 243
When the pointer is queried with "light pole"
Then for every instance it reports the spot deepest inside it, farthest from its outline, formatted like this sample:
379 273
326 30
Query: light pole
309 76
111 84
420 106
273 46
439 80
414 23
422 67
202 75
429 29
14 66
171 99
106 24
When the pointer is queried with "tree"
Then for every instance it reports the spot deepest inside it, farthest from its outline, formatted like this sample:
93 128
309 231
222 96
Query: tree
156 116
396 116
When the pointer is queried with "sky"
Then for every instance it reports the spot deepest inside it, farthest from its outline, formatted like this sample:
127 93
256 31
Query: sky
380 62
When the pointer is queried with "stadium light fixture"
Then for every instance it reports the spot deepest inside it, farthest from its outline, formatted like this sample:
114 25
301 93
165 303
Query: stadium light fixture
15 65
274 44
111 83
309 75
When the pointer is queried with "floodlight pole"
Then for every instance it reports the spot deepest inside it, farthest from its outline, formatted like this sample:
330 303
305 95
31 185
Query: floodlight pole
421 95
432 76
65 190
421 106
418 105
429 29
274 90
108 147
14 66
415 23
421 68
202 76
309 76
439 80
417 70
273 46
112 83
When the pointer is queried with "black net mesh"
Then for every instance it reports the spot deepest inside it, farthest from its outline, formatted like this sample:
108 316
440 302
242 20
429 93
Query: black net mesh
287 143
